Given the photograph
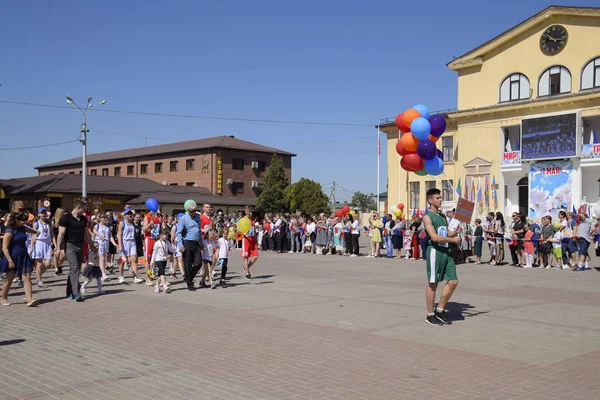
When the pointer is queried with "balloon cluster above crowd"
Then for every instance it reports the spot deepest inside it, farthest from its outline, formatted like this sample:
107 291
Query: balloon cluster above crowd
417 144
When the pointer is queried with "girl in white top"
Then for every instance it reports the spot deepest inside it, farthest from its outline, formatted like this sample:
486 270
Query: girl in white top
209 247
224 248
160 255
42 245
103 236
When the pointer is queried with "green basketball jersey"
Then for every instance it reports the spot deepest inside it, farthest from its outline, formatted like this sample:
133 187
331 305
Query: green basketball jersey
441 227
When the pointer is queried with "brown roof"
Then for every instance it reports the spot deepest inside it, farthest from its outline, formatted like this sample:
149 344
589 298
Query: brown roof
139 189
222 142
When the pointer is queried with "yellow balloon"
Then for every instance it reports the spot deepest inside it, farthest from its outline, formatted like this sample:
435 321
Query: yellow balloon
352 212
398 212
244 225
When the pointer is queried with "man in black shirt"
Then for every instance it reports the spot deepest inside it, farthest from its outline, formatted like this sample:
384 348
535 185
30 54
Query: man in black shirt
73 230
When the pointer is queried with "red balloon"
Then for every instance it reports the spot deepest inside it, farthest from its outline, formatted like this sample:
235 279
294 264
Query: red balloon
339 213
401 206
400 123
401 150
267 226
345 209
411 162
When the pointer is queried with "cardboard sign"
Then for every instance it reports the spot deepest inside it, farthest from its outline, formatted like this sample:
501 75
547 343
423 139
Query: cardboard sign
464 210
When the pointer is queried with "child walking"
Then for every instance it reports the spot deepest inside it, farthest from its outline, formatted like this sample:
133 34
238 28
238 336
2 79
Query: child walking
224 248
528 246
209 246
160 255
92 271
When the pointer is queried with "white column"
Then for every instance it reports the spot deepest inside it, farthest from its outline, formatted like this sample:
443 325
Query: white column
577 186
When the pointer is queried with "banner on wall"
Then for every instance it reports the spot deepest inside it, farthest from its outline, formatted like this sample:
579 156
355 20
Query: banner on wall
591 151
550 188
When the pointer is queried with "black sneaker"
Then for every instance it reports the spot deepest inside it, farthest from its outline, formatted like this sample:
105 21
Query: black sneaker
442 317
248 277
432 320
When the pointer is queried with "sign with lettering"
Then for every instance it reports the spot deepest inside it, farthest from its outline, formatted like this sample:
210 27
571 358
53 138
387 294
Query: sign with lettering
219 173
511 157
464 210
590 151
550 188
100 201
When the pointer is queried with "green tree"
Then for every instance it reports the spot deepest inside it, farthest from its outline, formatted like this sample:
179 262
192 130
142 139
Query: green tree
364 201
307 197
272 197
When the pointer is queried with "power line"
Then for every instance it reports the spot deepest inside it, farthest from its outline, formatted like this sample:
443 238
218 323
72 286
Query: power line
39 146
156 114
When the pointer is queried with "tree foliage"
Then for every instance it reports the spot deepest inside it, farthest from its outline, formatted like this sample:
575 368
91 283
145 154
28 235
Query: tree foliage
307 197
364 201
272 197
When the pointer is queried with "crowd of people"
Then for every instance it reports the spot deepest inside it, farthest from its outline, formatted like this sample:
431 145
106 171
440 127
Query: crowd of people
196 243
94 244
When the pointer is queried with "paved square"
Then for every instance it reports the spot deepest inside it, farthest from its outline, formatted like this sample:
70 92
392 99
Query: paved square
311 327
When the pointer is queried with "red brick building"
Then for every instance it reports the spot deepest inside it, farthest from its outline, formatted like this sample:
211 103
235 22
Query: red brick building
225 165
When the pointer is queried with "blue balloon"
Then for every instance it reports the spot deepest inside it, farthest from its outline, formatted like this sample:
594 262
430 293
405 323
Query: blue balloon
434 167
423 110
384 219
152 204
420 128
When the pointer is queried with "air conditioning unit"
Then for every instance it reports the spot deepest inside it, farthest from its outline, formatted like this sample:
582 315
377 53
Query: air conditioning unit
254 165
254 184
164 183
229 181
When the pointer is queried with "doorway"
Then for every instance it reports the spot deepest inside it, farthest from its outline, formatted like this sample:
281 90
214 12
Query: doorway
523 186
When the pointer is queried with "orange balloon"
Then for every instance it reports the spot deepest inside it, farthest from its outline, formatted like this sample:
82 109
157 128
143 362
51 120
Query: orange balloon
409 142
410 115
433 138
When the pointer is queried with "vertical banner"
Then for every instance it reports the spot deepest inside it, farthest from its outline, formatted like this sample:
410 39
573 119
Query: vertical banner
219 173
550 188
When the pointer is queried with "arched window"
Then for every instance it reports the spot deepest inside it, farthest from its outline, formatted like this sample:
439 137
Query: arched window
555 80
514 87
590 74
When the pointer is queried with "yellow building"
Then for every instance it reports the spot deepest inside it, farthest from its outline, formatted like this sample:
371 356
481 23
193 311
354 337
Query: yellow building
547 65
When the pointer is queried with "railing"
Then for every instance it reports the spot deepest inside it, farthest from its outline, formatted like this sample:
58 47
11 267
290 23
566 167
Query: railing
511 158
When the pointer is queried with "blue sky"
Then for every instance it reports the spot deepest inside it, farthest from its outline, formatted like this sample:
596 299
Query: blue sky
332 61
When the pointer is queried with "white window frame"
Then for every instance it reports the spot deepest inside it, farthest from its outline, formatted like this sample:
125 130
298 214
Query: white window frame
591 71
448 154
544 81
514 87
415 195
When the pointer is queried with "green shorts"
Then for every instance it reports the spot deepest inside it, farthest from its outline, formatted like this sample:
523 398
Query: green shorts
440 266
557 252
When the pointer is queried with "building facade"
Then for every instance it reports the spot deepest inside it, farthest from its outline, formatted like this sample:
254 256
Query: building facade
225 165
525 135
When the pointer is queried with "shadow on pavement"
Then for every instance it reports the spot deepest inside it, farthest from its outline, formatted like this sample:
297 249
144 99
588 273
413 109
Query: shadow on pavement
263 277
458 311
13 341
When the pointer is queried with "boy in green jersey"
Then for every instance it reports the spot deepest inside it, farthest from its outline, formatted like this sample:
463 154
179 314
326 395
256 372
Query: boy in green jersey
440 264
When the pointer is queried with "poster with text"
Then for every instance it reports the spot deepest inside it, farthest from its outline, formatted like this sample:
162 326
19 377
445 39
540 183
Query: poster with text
550 186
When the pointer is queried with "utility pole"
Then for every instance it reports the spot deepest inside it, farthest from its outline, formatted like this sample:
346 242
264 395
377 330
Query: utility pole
334 202
83 139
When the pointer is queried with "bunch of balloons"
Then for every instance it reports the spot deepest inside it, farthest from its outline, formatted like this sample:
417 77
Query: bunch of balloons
344 211
417 145
398 210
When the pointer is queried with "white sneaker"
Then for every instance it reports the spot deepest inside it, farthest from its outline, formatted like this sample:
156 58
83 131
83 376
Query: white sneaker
41 284
542 266
148 282
527 266
566 267
493 263
353 255
121 280
548 266
137 280
83 290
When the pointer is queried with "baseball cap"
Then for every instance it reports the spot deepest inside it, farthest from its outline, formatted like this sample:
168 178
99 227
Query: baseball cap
42 209
128 211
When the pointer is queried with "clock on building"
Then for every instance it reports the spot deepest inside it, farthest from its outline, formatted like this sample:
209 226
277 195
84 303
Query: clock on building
553 39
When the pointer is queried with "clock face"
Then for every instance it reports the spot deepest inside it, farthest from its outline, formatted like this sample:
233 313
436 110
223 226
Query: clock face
553 39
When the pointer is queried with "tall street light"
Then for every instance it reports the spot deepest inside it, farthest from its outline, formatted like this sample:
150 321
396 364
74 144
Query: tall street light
83 138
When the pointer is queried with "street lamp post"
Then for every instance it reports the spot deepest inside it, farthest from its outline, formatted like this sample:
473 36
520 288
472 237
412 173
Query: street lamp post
83 139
